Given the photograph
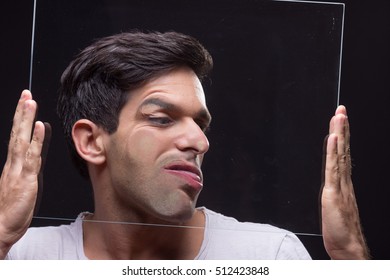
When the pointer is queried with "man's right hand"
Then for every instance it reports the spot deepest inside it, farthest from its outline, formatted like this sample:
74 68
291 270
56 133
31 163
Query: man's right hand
19 179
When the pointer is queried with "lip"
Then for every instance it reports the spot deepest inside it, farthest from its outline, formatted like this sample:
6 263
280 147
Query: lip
190 173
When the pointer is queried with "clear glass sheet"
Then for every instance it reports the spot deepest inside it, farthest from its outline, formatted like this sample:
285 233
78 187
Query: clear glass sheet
274 88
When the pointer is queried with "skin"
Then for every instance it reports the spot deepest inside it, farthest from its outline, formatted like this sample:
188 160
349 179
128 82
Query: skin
148 141
161 126
341 228
19 179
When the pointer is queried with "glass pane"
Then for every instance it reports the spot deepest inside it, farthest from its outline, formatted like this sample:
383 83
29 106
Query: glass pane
274 87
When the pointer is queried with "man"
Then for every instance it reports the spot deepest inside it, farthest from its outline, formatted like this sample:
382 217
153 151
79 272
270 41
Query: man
134 115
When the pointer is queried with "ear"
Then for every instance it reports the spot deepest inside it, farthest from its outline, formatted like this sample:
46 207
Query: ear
88 140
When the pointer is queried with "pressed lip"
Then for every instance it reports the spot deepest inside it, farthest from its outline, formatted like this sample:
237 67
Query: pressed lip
187 168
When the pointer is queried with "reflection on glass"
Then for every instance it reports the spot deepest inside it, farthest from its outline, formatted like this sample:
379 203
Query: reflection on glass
273 88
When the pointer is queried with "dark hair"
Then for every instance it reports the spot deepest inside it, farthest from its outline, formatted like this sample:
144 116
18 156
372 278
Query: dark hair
97 82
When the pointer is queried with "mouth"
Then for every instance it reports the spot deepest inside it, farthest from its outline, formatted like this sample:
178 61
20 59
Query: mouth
190 173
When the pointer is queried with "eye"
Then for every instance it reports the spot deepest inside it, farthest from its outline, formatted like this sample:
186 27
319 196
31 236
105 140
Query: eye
161 121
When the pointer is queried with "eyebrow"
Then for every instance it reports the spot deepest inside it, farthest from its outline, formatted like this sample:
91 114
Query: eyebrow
160 103
203 115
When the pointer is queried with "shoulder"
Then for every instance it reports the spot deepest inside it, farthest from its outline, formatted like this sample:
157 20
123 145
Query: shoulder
229 238
52 242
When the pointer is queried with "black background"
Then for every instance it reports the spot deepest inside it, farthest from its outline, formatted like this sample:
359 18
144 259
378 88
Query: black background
272 91
364 90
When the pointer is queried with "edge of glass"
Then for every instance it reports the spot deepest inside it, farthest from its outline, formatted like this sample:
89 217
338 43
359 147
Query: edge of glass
313 2
341 39
32 44
298 1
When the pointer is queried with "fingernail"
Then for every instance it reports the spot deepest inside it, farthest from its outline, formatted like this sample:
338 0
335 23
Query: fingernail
25 94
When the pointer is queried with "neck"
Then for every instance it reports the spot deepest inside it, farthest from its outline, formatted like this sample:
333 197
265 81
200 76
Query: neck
108 240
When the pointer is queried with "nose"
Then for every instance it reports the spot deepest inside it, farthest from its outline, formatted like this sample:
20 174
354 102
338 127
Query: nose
192 138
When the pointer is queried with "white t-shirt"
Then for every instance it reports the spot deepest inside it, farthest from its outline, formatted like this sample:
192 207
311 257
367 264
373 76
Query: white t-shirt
224 238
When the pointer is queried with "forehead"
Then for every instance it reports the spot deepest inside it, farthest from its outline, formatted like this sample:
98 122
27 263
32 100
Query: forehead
181 87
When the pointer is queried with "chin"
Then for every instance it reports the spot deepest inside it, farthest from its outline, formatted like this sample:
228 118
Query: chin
176 208
177 215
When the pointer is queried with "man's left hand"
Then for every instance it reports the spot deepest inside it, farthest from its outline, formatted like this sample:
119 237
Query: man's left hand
341 227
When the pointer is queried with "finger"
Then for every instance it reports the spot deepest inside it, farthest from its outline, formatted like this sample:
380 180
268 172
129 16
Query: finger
46 143
346 176
45 148
331 125
339 130
347 136
343 150
341 110
332 181
32 162
26 95
22 138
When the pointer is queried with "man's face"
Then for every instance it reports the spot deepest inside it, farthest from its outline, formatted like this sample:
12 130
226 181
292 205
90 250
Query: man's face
155 155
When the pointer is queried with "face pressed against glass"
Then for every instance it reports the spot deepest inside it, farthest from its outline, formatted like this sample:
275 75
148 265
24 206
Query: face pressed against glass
154 158
248 176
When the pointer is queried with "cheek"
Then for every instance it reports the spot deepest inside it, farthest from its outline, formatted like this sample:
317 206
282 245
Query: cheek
145 145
